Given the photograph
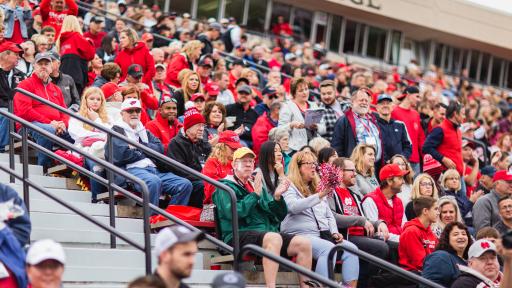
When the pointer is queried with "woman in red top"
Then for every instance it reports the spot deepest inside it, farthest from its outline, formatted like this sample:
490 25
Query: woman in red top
95 67
184 60
75 52
132 51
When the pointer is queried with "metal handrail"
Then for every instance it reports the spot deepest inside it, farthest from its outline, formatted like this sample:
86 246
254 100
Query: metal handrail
171 162
383 264
286 263
481 144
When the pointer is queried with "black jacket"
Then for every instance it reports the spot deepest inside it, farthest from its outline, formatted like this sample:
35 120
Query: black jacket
395 139
247 118
75 67
207 44
68 88
6 87
190 154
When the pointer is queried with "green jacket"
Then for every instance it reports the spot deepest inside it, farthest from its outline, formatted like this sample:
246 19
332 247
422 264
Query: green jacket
255 213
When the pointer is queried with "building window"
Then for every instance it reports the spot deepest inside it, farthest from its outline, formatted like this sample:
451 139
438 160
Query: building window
302 22
334 39
438 55
235 8
456 61
207 9
484 68
496 71
396 40
376 44
256 15
181 6
278 9
349 41
473 64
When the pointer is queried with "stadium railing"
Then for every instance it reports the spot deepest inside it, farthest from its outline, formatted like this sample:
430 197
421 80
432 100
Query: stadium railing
383 264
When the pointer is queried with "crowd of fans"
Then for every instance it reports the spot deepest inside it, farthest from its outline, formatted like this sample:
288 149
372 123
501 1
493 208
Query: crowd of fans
424 158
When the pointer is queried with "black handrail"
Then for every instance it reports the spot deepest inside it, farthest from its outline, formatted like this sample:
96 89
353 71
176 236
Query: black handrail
110 133
286 263
378 262
481 144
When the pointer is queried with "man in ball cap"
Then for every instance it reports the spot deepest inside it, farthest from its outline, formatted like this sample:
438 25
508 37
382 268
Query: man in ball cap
483 268
139 164
176 249
259 216
231 279
165 126
485 181
190 149
269 94
212 90
243 113
45 264
211 34
407 112
486 209
383 203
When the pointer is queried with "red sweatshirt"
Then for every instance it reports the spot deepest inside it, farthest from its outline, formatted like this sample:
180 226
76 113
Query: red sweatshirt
96 38
179 61
74 43
412 121
54 18
35 111
416 242
162 130
137 55
260 131
215 170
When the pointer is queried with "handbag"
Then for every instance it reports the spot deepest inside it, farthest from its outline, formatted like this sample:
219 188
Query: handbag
324 234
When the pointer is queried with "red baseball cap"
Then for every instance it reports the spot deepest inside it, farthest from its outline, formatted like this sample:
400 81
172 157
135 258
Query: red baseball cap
212 89
230 138
502 175
196 96
109 89
391 170
7 45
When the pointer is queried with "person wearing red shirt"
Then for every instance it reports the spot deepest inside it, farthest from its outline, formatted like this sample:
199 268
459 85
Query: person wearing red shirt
417 240
184 60
95 32
263 125
166 124
75 52
53 13
406 112
471 167
17 13
204 69
40 114
282 28
131 51
234 74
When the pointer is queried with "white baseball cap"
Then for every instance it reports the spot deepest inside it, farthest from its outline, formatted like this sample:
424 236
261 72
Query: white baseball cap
481 246
45 250
130 103
171 236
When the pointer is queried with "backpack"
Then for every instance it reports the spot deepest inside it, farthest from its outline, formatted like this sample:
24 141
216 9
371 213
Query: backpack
226 38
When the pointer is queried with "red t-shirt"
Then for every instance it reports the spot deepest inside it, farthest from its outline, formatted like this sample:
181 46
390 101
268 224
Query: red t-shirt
349 206
412 121
16 34
470 189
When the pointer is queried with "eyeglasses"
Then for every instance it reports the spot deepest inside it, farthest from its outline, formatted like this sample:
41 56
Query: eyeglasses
271 97
349 170
312 164
130 111
426 184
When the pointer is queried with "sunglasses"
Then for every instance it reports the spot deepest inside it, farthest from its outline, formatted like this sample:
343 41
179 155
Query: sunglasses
130 111
274 96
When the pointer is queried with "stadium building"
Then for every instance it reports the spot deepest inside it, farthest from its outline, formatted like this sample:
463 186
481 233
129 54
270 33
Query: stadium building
454 34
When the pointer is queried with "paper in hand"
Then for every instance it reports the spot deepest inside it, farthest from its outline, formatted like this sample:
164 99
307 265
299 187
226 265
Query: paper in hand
313 116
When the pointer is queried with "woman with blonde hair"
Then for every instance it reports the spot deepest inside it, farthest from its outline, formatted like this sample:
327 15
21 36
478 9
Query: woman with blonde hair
448 213
451 187
403 163
189 86
363 157
309 215
40 43
88 138
423 186
132 51
75 51
187 59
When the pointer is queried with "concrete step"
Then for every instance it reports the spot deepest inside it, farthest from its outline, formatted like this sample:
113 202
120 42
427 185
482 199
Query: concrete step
18 167
61 192
4 157
45 181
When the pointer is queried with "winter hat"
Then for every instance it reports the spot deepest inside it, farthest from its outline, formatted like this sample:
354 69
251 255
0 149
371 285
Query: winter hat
191 118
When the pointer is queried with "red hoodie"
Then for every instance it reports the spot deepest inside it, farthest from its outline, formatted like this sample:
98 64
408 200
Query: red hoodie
139 54
416 242
179 61
260 131
74 43
412 121
54 18
35 111
162 130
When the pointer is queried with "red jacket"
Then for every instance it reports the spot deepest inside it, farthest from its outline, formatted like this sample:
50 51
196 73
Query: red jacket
147 101
412 121
96 38
137 55
35 111
179 61
451 146
391 215
162 130
416 242
54 18
74 43
215 170
260 131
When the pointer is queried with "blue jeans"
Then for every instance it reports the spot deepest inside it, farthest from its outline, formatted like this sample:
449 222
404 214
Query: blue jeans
4 132
321 248
43 159
96 187
168 183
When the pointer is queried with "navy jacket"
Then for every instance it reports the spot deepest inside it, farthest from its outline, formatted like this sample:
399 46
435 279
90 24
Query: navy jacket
441 267
13 256
395 139
20 226
464 204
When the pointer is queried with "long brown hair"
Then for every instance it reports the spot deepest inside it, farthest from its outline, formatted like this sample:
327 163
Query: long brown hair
208 108
358 158
187 93
295 177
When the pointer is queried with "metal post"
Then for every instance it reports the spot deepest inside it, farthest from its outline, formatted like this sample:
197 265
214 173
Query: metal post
147 230
24 149
111 202
11 141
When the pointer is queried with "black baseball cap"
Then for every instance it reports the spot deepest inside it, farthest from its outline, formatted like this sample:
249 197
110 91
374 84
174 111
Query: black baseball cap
135 70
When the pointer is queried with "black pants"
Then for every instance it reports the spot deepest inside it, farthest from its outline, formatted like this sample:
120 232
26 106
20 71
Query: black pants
197 196
372 246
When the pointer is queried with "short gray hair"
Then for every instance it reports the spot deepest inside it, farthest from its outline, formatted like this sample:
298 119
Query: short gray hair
277 134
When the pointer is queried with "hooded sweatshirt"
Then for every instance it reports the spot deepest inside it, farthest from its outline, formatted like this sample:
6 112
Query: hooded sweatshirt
416 242
139 54
74 43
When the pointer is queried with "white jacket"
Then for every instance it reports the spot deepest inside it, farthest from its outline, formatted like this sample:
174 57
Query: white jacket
290 112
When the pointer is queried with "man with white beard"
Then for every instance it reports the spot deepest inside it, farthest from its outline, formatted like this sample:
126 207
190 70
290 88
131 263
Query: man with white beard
137 163
357 126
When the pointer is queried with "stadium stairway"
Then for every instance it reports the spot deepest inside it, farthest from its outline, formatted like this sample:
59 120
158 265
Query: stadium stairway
91 263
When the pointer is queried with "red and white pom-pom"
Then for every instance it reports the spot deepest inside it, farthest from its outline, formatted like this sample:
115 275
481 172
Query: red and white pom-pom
329 177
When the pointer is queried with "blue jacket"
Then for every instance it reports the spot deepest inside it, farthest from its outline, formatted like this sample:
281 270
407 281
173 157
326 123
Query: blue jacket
464 204
19 226
441 267
13 256
19 13
395 139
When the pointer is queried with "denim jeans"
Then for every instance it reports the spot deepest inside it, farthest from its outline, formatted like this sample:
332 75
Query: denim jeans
4 132
178 188
43 159
96 187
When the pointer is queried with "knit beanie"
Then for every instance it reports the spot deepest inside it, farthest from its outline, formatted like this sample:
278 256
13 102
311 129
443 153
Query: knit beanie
191 118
